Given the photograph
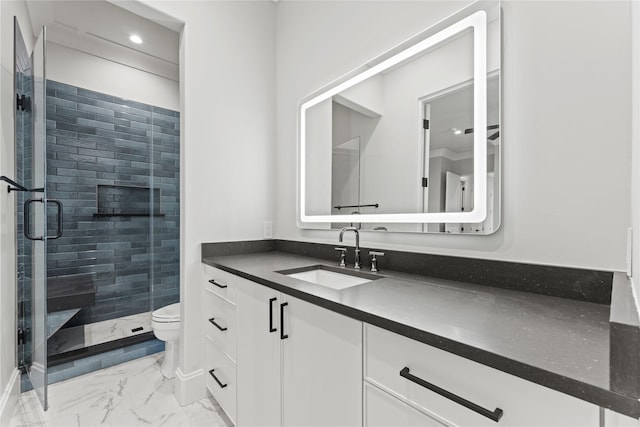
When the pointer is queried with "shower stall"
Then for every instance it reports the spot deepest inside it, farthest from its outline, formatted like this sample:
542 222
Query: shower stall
98 206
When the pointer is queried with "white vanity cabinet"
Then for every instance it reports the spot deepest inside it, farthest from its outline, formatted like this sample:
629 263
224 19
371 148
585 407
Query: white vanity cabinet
273 360
613 419
298 364
522 403
221 332
385 410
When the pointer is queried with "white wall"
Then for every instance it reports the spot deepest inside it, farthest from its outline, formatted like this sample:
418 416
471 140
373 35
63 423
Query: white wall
8 363
227 75
635 158
367 94
91 72
566 83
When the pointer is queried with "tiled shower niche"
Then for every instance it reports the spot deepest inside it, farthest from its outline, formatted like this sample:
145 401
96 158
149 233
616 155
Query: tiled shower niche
115 166
122 200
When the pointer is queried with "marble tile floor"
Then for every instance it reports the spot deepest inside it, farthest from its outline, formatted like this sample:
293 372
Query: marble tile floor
127 395
76 337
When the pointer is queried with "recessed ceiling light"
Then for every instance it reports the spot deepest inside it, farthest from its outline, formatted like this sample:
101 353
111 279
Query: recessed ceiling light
135 38
457 131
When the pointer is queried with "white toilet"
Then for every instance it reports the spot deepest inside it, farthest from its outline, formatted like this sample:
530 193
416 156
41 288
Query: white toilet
165 323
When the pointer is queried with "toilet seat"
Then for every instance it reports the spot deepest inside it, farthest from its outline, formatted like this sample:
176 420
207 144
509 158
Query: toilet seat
168 314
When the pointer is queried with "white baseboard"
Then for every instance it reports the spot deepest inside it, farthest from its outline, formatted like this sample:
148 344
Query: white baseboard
9 398
189 387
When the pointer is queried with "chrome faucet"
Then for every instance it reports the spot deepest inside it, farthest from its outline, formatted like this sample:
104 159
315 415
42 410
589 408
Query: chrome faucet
355 230
357 225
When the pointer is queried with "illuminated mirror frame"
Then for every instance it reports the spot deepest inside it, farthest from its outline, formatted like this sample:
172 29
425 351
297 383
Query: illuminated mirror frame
478 23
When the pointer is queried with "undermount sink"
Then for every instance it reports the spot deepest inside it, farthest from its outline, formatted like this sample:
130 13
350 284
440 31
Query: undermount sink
329 277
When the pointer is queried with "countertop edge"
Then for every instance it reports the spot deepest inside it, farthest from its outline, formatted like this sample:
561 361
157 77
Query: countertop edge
584 391
623 308
624 333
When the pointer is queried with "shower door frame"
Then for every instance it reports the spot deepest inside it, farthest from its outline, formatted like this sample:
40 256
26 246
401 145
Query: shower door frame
32 327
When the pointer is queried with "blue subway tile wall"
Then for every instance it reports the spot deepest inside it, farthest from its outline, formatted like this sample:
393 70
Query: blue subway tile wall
95 139
99 361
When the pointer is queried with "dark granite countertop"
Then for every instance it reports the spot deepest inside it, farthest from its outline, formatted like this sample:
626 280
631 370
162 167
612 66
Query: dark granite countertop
559 343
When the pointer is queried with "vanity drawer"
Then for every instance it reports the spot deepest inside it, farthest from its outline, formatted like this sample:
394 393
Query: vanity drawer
384 410
219 367
221 283
523 403
222 323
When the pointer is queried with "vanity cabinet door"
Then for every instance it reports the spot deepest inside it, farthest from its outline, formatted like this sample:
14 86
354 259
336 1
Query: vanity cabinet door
305 370
322 366
258 357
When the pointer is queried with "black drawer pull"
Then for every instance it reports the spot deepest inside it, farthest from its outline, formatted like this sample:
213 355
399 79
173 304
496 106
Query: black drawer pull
283 336
212 320
213 282
494 415
271 328
216 378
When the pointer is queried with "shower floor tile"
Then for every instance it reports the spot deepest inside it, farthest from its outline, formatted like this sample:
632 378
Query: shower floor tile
131 394
76 337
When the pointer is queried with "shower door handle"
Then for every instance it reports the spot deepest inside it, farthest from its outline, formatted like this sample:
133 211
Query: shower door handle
27 218
59 220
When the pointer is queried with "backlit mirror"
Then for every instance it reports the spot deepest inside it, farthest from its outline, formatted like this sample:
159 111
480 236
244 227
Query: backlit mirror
411 140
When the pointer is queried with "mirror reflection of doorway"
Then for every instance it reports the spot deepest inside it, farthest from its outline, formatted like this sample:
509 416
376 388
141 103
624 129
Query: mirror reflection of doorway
453 199
459 198
447 158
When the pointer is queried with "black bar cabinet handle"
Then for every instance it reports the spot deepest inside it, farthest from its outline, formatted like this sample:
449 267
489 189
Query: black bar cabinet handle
212 320
216 378
213 282
283 336
271 328
494 415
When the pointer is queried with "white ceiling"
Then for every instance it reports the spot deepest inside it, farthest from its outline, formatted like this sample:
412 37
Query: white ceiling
102 29
455 111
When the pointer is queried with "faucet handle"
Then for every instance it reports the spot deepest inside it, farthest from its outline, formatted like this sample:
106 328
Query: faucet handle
343 254
374 260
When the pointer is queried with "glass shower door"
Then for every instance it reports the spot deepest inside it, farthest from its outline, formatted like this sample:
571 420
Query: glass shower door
31 207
